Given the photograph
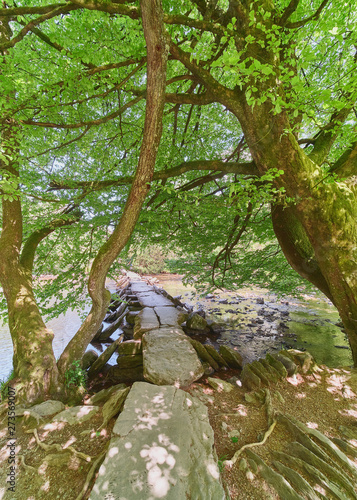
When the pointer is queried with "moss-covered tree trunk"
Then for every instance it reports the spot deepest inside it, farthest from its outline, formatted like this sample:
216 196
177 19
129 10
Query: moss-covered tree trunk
321 224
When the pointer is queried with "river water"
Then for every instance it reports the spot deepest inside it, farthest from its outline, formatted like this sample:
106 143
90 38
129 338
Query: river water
253 328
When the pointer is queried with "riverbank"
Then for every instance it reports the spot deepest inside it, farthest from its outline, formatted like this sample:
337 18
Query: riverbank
254 420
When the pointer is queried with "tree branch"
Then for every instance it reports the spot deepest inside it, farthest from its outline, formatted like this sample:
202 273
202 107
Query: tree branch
35 22
314 17
90 123
346 165
247 168
29 249
290 9
325 139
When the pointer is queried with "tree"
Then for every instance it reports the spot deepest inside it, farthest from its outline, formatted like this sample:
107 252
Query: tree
251 86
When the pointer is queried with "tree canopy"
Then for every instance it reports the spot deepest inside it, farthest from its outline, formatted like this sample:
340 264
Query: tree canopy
241 113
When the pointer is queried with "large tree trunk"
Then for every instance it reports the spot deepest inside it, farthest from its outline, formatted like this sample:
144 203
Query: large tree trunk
326 214
157 52
35 369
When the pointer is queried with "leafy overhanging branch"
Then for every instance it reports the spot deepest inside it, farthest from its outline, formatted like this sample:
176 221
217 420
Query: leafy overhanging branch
247 168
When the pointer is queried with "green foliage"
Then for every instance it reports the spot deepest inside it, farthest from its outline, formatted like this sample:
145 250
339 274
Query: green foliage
234 439
148 259
75 375
220 463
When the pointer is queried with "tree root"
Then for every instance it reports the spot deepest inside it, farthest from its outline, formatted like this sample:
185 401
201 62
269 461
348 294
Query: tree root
232 461
58 447
25 466
271 425
90 475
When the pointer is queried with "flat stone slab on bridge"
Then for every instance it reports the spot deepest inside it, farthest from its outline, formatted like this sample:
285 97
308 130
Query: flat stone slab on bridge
162 447
145 321
169 358
153 299
169 316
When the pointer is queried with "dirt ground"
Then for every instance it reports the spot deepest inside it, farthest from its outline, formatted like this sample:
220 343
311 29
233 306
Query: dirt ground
325 400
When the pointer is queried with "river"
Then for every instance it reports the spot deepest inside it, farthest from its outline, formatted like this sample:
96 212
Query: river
253 328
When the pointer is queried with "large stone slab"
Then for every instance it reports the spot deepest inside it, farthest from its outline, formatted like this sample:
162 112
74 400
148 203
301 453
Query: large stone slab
162 447
170 316
146 320
153 299
169 358
140 287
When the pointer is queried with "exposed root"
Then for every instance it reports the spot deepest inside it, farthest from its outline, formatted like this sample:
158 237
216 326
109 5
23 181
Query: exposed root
25 466
90 475
58 447
232 461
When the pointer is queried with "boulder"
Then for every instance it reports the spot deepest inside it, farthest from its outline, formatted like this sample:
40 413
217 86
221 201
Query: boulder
130 361
169 358
196 322
76 414
104 394
220 385
114 404
130 347
88 359
149 455
48 408
285 360
232 357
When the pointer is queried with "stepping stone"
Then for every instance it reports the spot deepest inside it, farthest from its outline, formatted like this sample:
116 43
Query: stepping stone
170 316
146 320
169 358
162 447
153 299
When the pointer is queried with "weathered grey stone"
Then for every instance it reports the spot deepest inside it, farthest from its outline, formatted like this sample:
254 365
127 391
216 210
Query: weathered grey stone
220 385
231 356
162 447
76 414
196 322
260 371
278 365
298 450
274 376
145 321
130 317
170 316
297 481
114 404
104 394
290 366
130 347
141 287
130 361
88 359
203 354
304 359
169 358
249 379
48 408
277 481
153 299
126 375
215 355
104 358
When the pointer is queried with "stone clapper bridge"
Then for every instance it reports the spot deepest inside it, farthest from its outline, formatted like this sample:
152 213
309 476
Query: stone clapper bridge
162 444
